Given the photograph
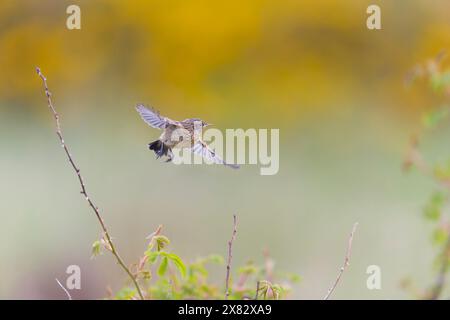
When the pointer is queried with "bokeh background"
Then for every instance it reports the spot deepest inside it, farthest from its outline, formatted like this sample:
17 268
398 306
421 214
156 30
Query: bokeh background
310 68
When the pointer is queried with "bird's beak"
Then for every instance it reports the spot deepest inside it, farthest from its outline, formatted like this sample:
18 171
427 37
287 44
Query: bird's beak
208 124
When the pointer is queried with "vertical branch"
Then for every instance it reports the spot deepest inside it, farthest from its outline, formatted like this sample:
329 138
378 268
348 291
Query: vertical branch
257 290
230 256
346 263
83 186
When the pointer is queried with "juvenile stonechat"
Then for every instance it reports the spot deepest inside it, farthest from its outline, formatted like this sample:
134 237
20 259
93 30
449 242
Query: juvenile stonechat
184 134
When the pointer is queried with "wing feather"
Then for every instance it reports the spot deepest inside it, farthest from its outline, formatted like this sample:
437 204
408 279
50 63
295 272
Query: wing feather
200 148
152 117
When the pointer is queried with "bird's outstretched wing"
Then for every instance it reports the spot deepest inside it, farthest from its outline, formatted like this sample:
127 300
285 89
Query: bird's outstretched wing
152 117
202 149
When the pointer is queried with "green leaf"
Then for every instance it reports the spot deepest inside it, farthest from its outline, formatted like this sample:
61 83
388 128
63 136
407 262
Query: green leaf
277 291
431 119
176 260
152 256
126 294
440 236
439 81
96 248
197 268
215 258
248 269
161 242
433 209
294 278
442 171
163 267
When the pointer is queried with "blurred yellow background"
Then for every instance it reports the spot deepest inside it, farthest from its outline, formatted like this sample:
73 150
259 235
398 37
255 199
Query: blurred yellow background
310 68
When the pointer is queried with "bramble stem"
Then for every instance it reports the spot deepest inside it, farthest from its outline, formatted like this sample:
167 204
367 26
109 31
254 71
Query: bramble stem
230 256
345 265
83 186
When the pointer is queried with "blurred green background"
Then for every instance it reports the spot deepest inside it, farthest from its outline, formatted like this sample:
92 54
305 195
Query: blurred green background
310 68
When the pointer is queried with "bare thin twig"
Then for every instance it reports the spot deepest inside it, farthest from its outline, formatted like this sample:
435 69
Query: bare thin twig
230 256
65 290
83 186
346 263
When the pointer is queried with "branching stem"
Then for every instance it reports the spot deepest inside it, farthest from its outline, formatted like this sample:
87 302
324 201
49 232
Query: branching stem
83 186
230 256
345 265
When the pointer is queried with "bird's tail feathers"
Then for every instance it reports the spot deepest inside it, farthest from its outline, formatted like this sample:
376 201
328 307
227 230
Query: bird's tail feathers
159 148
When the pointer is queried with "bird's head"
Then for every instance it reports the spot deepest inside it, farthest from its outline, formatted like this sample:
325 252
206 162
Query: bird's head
205 124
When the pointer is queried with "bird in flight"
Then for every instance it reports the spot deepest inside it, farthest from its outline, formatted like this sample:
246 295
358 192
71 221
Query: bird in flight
184 134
